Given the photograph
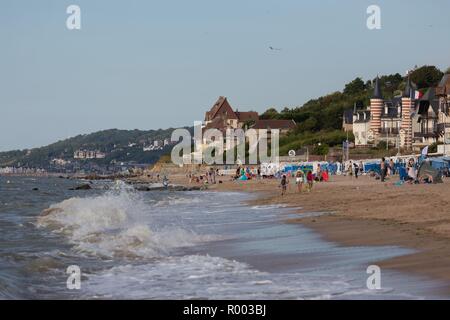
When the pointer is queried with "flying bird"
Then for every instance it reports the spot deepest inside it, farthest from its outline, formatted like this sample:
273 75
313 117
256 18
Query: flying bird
274 49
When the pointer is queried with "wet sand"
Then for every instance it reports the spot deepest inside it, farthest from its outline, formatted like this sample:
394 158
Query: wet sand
365 211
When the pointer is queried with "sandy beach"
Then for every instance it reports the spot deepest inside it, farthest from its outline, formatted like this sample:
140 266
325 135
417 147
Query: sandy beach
365 211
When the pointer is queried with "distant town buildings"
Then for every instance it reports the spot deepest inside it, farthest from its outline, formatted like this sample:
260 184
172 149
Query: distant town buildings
89 154
21 171
156 145
60 162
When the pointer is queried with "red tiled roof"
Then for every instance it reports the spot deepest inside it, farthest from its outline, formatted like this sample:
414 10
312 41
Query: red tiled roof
245 116
221 102
274 124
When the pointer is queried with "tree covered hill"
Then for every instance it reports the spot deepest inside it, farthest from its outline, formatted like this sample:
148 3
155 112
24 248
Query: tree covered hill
118 145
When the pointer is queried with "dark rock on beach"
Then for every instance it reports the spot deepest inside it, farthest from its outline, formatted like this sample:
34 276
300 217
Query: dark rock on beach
82 187
142 188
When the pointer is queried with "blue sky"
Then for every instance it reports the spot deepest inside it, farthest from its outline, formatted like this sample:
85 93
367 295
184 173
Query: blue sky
157 64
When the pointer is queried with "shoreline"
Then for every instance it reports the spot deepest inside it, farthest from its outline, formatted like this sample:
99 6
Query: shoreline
358 213
410 216
362 212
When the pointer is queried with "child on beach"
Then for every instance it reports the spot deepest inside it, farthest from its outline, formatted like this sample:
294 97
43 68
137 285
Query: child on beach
325 176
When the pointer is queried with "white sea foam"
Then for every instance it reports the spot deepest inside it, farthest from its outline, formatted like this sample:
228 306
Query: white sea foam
173 200
118 223
206 277
269 207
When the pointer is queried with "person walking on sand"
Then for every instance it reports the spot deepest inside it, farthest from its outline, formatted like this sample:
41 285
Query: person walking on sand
319 173
299 178
238 173
391 167
383 169
310 180
356 167
350 169
283 185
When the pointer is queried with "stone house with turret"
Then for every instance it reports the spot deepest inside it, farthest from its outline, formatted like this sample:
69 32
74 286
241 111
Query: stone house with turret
410 121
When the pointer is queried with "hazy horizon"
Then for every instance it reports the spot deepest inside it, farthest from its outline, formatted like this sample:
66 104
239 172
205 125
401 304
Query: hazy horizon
150 65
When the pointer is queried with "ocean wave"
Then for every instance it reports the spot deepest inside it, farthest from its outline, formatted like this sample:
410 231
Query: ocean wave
117 223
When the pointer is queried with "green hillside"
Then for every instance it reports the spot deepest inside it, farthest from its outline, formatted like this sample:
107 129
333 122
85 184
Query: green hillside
114 143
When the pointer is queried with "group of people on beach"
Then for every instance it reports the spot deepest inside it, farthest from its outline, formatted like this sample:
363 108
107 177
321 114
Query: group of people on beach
247 173
209 177
408 170
304 179
387 168
353 169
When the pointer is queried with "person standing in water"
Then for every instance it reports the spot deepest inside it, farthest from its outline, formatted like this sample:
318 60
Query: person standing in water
165 182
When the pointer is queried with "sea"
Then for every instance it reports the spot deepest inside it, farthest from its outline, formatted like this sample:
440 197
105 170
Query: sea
127 244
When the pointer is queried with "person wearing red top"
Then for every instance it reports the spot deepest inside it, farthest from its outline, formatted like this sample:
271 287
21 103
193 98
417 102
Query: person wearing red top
325 176
310 179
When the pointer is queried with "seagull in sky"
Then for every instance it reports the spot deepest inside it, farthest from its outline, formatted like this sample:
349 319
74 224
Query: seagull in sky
274 49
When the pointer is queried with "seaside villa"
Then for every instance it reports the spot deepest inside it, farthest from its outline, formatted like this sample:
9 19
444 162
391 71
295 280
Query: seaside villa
408 121
222 117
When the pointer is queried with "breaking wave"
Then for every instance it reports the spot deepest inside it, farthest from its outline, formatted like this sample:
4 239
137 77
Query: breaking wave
118 223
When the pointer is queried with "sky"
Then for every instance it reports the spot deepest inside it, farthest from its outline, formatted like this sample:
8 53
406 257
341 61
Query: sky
145 64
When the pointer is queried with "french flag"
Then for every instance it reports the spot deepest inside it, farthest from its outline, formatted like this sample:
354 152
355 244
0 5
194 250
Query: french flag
417 94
